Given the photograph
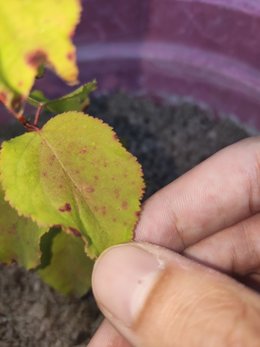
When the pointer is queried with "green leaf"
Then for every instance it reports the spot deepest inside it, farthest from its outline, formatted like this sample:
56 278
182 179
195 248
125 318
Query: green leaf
32 34
37 97
69 271
75 101
19 237
75 173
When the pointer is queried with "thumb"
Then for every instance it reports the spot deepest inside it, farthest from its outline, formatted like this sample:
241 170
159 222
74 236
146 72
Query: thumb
156 298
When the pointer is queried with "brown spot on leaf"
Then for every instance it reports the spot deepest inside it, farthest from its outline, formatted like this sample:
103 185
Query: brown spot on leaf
83 150
51 159
115 137
56 226
117 193
89 189
125 205
44 174
65 208
75 232
103 210
96 178
36 58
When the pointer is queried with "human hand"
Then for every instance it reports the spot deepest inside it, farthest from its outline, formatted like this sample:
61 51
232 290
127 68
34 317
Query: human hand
157 298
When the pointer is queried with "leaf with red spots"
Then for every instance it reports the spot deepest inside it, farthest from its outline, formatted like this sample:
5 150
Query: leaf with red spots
35 34
69 269
75 173
19 237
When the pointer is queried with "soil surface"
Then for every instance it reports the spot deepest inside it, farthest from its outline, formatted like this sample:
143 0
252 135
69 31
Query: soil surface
168 140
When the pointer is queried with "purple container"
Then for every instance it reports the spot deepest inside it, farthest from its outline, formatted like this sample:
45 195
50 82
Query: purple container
205 50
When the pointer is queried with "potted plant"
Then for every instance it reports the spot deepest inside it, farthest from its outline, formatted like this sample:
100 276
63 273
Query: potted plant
47 189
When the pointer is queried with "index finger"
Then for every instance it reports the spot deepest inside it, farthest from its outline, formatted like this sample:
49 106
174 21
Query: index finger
221 191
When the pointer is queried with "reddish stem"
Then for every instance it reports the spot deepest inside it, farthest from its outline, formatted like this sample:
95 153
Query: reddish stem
37 115
20 117
30 127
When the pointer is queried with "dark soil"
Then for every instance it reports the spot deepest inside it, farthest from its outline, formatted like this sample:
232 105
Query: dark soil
168 140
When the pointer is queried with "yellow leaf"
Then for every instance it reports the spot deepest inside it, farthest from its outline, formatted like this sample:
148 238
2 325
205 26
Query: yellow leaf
75 173
35 32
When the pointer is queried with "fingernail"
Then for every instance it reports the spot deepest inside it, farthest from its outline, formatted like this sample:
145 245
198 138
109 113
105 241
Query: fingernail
122 280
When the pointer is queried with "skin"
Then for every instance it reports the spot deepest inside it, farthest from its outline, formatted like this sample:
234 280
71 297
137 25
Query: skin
206 224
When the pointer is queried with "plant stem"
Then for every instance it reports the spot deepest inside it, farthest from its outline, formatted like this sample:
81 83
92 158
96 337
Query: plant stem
37 114
34 102
39 106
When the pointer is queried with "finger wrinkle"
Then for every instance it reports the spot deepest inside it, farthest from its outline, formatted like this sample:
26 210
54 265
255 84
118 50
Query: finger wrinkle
250 247
178 232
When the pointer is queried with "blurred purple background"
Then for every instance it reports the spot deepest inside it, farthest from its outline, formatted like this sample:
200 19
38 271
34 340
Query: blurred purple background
206 50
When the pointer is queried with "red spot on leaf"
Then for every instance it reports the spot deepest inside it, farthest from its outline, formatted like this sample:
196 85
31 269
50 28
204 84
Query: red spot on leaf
137 214
22 119
71 56
125 205
3 97
75 232
65 208
36 58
